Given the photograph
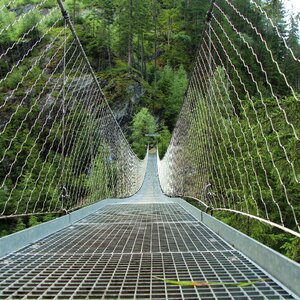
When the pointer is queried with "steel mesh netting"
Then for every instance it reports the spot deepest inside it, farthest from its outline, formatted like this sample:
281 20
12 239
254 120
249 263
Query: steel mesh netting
235 145
61 147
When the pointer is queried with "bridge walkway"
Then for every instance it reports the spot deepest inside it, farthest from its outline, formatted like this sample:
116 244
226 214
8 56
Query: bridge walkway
128 250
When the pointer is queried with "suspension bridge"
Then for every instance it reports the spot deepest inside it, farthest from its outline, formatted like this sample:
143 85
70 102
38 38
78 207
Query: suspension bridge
62 151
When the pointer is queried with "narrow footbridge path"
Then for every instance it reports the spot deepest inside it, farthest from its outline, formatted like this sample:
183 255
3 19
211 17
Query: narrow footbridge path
129 250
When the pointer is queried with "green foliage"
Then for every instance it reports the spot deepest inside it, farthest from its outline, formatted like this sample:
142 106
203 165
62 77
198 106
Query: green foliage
33 221
20 225
272 238
172 85
98 180
291 248
20 3
28 23
143 123
164 140
278 158
6 18
13 80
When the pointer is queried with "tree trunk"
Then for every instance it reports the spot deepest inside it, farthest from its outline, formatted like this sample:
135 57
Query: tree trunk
109 46
130 36
74 10
155 41
130 58
109 55
139 53
144 71
169 32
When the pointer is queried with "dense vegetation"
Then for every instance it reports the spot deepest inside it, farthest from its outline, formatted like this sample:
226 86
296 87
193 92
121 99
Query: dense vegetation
142 52
271 136
150 44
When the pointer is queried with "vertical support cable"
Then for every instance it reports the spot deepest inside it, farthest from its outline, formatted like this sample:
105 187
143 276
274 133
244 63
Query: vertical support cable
208 22
209 102
93 167
63 142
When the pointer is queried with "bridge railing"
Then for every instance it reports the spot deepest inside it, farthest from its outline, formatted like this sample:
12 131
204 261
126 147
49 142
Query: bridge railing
61 146
236 143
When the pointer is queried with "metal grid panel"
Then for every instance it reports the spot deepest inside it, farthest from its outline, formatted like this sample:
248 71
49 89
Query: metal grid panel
127 276
128 238
116 254
133 213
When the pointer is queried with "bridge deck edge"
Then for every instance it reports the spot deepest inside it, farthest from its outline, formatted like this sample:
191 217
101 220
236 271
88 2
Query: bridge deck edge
16 241
285 270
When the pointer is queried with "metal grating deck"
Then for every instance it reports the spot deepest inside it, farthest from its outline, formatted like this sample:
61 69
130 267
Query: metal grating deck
119 251
128 276
95 235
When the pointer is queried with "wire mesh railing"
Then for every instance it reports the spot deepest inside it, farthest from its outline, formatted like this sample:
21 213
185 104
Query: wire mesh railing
61 147
236 143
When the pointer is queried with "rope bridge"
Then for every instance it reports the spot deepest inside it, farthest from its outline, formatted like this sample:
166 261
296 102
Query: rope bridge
61 146
235 147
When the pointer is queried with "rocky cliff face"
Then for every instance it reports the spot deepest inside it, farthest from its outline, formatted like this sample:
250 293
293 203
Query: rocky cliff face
124 93
24 9
124 103
125 106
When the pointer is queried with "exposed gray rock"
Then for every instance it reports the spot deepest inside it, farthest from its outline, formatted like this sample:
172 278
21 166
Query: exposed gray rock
24 9
125 106
81 84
